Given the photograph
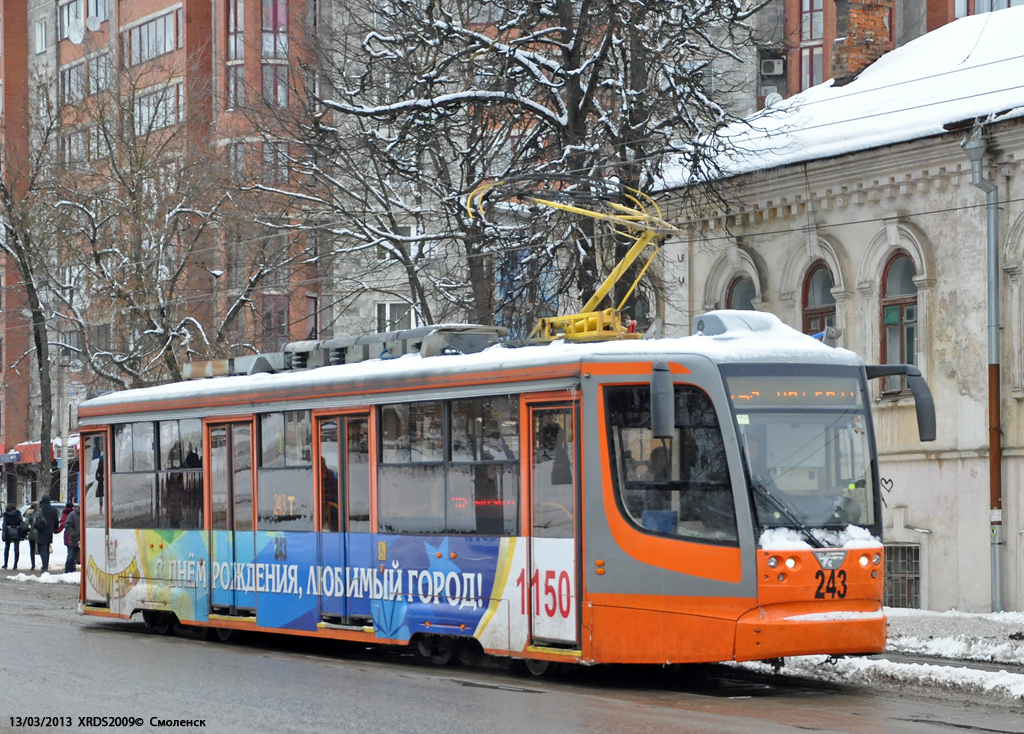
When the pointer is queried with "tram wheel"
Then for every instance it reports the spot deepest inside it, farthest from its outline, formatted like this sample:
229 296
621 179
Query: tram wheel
161 622
440 651
223 633
535 668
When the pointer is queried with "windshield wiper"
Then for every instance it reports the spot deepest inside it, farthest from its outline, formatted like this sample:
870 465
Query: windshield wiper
787 513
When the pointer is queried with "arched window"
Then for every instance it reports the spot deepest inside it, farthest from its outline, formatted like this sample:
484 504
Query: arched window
899 317
741 294
819 303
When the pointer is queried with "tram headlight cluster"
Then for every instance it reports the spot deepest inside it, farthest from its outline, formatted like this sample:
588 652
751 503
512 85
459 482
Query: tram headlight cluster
790 563
875 559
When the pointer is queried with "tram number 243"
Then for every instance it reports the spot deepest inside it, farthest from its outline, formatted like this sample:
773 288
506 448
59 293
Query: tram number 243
831 586
554 598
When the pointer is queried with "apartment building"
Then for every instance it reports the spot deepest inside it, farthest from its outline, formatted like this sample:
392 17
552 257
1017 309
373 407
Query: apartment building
802 43
180 71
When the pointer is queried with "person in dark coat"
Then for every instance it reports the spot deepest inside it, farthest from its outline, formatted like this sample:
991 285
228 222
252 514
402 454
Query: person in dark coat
44 535
30 515
11 532
71 525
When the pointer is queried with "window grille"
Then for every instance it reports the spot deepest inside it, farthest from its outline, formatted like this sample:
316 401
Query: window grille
903 576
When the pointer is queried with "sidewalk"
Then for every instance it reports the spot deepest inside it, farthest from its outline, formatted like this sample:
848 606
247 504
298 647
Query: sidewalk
57 559
954 635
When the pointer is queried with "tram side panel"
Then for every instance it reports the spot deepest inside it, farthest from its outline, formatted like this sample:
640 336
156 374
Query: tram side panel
461 586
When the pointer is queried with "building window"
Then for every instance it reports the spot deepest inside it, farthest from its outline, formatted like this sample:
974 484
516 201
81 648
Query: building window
275 85
99 145
99 337
72 349
403 232
812 20
903 576
741 294
73 147
70 13
812 32
236 161
275 163
275 322
158 109
312 311
152 39
236 86
275 29
72 84
99 9
236 29
394 317
315 18
819 303
40 36
899 318
810 67
100 70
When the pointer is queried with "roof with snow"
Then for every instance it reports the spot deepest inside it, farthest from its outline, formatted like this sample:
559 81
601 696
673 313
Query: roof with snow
971 68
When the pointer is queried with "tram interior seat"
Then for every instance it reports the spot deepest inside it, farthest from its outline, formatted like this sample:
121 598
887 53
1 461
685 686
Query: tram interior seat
660 521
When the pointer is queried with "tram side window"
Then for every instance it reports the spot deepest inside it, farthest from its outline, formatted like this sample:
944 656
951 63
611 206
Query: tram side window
411 498
483 482
450 467
180 475
133 500
285 479
679 486
412 432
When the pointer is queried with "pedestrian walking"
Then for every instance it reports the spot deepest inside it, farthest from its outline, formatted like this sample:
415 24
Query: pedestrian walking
11 532
45 523
30 516
71 525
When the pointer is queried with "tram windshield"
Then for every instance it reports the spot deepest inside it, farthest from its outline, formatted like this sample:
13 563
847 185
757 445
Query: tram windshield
805 442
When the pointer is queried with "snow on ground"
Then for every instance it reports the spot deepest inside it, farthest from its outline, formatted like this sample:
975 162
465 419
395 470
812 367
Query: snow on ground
873 673
958 635
955 636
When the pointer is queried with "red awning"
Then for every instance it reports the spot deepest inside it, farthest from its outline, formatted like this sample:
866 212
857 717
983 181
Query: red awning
30 453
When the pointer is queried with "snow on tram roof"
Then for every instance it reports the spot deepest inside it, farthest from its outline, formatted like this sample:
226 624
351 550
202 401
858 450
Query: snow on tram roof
750 337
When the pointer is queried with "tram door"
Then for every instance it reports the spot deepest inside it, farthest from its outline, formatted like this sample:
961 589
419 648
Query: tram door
344 482
554 491
233 542
94 494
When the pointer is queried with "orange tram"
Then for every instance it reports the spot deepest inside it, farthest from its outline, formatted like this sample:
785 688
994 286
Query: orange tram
707 498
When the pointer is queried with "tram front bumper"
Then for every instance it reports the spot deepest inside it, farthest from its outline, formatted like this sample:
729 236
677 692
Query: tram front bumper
811 628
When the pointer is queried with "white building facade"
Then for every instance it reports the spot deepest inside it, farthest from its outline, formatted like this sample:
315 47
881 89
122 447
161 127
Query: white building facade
888 244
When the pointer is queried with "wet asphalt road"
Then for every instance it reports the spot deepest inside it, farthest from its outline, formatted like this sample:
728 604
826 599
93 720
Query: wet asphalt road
71 666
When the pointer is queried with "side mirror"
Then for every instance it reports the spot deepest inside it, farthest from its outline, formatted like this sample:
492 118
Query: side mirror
923 401
663 401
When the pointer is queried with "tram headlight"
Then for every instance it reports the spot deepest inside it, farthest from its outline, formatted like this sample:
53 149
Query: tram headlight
773 562
790 562
864 561
876 559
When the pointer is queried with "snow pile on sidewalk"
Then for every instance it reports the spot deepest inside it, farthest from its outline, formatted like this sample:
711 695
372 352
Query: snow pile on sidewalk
871 672
997 637
949 637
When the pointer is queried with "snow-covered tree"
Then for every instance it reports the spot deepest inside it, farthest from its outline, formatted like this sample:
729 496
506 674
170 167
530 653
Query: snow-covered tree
421 101
138 208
